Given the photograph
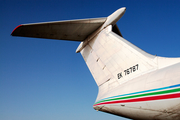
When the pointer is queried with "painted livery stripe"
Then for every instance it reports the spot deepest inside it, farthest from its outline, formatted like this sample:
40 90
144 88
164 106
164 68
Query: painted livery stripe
142 95
157 89
175 95
139 95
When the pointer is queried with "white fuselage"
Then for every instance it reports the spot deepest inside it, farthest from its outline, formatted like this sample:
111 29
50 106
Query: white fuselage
155 95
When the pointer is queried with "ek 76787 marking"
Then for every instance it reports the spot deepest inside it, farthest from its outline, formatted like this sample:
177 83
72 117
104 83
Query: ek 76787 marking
128 71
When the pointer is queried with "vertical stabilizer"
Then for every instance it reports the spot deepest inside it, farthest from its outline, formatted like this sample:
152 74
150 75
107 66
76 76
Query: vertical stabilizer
113 60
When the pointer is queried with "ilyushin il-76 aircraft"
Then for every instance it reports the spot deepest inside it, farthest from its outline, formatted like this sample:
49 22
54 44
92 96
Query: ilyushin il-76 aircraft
132 83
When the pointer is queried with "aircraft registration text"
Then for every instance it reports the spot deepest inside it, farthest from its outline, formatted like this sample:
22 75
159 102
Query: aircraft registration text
128 71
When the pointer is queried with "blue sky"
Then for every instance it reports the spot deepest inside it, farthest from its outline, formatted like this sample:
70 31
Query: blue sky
46 79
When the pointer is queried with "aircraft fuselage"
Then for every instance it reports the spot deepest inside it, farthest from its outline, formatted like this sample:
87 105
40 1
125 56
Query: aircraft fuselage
154 95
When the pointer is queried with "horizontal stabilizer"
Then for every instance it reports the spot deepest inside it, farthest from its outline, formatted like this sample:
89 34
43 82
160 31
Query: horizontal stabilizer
75 30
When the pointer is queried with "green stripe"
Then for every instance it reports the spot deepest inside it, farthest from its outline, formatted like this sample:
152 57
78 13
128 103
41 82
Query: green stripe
141 95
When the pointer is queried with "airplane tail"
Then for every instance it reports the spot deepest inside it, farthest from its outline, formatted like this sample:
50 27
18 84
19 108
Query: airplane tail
112 60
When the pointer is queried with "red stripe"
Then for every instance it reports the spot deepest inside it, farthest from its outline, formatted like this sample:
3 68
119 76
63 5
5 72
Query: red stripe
176 95
16 28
